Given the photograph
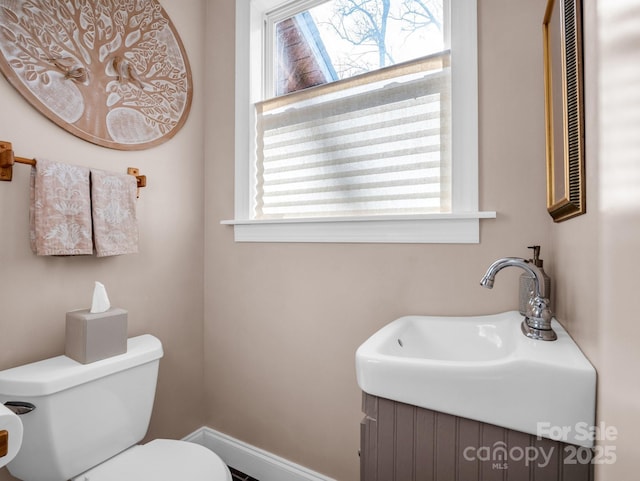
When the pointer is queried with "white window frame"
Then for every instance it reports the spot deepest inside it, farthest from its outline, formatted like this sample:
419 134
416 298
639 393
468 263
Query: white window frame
459 226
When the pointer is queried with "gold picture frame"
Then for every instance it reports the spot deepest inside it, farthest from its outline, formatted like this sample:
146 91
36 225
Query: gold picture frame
564 109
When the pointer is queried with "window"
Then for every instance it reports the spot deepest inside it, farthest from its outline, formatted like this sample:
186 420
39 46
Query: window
372 142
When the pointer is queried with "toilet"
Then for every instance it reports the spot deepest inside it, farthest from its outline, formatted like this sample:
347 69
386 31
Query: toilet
88 419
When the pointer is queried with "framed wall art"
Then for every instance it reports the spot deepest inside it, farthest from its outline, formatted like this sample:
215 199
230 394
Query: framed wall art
563 82
112 72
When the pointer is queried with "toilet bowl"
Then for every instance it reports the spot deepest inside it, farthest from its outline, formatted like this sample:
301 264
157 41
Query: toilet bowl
161 460
89 418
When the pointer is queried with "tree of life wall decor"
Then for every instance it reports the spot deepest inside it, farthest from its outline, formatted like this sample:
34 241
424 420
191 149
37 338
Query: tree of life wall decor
112 72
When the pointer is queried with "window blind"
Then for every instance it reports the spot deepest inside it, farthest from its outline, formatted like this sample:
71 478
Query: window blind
377 144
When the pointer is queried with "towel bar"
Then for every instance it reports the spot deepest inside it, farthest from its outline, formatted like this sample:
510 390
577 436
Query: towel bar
7 160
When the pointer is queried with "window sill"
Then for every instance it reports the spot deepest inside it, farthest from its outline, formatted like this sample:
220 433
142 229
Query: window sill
460 228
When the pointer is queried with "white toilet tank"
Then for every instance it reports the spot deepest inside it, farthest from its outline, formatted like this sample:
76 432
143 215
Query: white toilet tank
85 413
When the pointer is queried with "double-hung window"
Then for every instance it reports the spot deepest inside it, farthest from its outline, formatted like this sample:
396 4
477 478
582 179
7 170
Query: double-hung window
356 121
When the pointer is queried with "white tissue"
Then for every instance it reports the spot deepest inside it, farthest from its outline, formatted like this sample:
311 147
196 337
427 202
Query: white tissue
10 422
100 301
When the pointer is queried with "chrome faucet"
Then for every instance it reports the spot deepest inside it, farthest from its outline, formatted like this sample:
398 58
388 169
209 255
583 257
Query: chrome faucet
537 320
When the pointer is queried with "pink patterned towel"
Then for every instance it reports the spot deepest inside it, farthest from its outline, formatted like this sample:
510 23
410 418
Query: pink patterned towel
60 211
115 224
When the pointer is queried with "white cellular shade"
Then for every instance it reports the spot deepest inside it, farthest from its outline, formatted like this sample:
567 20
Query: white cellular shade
377 144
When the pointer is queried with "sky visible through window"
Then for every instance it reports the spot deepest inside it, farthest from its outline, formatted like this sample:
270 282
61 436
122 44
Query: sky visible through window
364 35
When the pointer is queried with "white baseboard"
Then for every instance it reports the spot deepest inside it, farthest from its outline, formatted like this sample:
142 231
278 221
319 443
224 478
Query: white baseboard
251 460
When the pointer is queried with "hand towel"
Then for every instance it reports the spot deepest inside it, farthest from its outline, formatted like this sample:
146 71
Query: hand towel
60 211
113 204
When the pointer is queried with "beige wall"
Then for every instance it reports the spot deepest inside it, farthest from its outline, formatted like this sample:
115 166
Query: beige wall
283 321
597 254
161 287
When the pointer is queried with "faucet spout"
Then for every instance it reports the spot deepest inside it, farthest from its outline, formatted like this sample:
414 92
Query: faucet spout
539 285
537 321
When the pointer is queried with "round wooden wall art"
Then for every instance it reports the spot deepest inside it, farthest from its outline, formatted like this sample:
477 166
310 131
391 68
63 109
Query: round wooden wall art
112 72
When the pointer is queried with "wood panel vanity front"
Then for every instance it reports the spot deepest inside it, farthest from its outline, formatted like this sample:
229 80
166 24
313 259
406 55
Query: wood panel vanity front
401 442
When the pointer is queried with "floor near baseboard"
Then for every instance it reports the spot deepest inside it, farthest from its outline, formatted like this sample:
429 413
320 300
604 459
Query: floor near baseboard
240 476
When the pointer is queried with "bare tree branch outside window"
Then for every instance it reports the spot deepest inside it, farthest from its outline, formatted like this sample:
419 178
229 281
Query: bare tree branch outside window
366 24
421 14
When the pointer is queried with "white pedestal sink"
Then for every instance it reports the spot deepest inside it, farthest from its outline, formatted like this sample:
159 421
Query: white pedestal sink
484 368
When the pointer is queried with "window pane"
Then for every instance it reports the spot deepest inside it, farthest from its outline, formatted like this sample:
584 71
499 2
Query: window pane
343 38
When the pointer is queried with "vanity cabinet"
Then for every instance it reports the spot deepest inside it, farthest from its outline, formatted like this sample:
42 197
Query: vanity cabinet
400 442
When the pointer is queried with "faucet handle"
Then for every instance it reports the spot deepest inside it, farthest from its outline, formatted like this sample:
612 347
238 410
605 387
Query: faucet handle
537 321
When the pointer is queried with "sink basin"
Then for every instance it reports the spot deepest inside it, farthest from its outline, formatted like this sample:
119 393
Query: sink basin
484 368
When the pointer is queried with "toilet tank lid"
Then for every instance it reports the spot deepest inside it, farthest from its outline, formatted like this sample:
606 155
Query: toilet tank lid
56 374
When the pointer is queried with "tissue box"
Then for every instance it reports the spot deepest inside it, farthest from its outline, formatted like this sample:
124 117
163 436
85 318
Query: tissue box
91 337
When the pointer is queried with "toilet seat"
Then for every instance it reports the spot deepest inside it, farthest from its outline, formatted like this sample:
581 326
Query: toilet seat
161 460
